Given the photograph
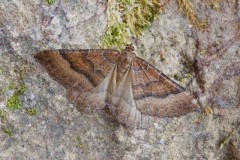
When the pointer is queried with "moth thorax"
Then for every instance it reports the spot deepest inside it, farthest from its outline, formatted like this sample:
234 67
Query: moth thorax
122 71
127 57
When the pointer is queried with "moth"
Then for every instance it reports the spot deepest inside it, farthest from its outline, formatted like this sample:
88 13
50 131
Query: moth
134 91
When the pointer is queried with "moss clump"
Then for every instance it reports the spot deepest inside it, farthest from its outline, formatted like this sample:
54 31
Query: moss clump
187 8
50 2
8 130
3 116
14 102
128 19
11 86
21 89
3 90
116 36
185 73
32 111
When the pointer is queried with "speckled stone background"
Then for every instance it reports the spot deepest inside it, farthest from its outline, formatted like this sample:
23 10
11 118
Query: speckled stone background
59 131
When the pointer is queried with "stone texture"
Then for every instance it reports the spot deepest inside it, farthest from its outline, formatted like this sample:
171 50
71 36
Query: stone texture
59 131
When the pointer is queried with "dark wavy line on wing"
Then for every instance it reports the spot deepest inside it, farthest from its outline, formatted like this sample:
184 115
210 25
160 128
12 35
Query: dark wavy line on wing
161 74
145 84
155 95
139 64
88 75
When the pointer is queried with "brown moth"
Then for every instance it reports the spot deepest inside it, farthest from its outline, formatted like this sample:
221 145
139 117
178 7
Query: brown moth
133 90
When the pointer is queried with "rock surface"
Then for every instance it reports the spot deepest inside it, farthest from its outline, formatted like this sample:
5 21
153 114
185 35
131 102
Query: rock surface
59 131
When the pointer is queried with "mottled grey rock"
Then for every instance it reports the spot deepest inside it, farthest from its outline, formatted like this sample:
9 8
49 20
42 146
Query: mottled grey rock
60 131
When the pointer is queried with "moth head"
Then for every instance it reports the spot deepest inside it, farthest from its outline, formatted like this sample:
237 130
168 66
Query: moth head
129 48
127 55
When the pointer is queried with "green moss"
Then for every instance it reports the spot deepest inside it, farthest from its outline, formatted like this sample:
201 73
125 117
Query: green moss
50 2
3 116
32 111
11 86
135 16
3 90
128 19
116 36
14 102
8 130
177 76
185 72
21 89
